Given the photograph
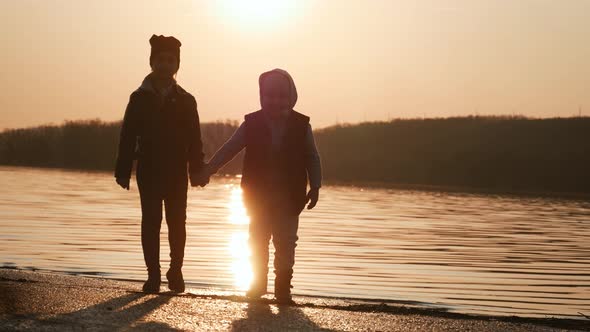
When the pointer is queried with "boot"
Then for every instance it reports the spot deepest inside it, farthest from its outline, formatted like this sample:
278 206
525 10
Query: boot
257 288
259 282
152 284
175 280
255 292
283 291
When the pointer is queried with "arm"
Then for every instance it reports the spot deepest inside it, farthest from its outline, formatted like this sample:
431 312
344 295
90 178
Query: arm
312 160
314 169
127 141
229 150
195 150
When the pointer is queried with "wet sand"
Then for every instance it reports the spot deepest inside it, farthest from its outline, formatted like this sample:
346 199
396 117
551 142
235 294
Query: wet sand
57 302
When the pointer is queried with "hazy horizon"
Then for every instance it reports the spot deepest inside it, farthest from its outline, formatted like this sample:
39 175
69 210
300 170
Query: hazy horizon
351 61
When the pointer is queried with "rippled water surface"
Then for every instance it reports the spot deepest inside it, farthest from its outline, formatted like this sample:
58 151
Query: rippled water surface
463 252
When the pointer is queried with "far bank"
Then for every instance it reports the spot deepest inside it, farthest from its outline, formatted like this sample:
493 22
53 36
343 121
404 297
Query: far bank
479 154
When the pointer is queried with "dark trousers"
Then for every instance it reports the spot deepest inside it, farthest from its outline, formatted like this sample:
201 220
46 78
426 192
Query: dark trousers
173 195
283 231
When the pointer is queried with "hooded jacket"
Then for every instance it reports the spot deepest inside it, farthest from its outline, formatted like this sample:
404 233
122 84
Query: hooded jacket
280 157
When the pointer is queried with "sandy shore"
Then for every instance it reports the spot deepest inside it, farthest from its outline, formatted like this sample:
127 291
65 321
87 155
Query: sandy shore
57 302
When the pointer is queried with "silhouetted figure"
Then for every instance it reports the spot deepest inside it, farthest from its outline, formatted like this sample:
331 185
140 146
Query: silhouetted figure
161 130
280 155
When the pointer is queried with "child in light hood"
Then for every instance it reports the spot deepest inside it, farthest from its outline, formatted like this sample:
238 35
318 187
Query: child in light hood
281 157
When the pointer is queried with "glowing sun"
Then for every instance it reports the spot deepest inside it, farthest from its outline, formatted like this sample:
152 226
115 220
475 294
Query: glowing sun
261 13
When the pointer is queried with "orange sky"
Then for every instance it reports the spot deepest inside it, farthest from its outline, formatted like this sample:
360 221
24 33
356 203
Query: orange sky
352 60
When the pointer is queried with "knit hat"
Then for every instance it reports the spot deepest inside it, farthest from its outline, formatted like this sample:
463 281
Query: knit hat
165 44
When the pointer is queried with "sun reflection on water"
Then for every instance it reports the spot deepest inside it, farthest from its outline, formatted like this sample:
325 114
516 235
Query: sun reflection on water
238 245
238 215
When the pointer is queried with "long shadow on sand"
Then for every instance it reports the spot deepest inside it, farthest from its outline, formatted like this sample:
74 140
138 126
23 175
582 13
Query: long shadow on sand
260 317
121 313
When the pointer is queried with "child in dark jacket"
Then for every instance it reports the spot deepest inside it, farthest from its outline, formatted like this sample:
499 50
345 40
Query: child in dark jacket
281 157
161 130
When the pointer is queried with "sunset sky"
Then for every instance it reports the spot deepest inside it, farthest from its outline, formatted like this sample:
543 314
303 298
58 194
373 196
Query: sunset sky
351 60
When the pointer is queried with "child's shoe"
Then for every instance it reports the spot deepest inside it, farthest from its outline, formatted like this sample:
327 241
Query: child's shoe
152 284
175 280
283 292
256 292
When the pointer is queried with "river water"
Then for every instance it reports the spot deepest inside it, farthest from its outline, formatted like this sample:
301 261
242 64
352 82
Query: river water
470 253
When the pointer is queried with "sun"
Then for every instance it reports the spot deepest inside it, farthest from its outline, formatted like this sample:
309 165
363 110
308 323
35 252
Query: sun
260 13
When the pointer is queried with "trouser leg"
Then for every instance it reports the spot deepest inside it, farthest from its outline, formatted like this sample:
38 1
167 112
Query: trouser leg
284 237
151 221
259 237
175 203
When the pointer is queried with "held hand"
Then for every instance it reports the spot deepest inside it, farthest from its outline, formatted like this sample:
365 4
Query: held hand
201 178
196 180
123 182
312 197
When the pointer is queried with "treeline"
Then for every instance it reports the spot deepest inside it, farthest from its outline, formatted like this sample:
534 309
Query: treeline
89 145
496 153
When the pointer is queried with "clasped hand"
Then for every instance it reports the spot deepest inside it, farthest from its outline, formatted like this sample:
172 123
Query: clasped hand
202 177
